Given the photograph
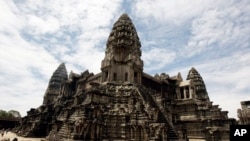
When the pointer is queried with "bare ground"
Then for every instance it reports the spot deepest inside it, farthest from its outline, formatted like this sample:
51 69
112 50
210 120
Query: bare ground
11 136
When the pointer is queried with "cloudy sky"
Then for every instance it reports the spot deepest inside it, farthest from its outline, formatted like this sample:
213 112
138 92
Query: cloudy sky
211 35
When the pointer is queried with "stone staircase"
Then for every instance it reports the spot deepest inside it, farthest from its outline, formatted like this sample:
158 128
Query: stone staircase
162 117
62 132
62 116
171 133
76 115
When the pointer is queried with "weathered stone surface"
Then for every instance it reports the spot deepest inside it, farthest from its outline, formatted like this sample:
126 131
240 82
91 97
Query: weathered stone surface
124 103
244 113
123 41
58 77
122 61
199 85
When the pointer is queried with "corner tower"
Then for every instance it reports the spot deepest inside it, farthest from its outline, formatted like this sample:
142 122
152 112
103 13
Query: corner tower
200 87
55 82
122 61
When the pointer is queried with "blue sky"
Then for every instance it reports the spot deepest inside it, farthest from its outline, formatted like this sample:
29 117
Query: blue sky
37 35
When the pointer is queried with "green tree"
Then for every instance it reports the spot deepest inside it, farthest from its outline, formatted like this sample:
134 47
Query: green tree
9 114
15 113
4 114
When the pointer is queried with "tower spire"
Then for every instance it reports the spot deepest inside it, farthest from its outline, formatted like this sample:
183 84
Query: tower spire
123 34
122 59
199 84
55 82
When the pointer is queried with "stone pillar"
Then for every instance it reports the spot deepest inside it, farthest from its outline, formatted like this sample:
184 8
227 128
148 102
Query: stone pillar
184 92
190 92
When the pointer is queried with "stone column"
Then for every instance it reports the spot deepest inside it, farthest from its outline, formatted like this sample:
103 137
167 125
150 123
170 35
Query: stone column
190 92
184 92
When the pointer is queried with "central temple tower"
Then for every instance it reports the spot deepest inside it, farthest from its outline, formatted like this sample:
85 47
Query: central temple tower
122 61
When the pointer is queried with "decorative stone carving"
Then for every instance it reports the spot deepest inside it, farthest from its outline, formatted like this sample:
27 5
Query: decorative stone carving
244 113
199 84
59 76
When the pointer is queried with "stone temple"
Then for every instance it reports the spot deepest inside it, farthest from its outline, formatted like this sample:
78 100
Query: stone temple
123 103
244 113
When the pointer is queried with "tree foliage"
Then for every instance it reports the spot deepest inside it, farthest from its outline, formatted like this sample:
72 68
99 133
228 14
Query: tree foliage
9 114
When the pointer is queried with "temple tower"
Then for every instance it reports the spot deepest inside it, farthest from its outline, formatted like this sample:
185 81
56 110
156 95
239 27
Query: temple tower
199 85
59 76
122 61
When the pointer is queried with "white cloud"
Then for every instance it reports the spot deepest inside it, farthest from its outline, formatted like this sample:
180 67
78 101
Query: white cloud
226 79
175 12
9 16
157 58
38 25
217 28
36 36
19 82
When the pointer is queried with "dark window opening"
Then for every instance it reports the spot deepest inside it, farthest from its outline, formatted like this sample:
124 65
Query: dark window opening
182 93
187 94
126 76
135 76
106 76
114 77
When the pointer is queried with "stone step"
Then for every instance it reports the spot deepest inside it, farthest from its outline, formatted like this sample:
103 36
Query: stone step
62 116
171 133
76 115
62 132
